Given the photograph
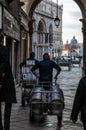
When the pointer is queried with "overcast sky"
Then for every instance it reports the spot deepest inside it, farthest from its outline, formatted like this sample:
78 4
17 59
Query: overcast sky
71 24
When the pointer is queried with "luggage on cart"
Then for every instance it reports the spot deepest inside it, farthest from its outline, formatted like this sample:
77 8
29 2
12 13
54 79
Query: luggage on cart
37 100
28 77
57 100
28 80
46 102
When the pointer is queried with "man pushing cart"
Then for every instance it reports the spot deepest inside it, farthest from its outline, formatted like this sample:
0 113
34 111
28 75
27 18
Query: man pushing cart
46 91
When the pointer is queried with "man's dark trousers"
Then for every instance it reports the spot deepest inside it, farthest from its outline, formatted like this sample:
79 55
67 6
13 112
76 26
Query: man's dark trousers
7 114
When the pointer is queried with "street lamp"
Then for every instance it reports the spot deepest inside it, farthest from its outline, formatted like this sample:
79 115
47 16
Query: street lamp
57 20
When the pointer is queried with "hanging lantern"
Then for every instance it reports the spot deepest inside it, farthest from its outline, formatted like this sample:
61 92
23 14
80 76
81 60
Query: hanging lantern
57 20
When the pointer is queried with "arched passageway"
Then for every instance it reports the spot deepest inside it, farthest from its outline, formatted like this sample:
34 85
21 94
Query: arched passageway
41 29
30 5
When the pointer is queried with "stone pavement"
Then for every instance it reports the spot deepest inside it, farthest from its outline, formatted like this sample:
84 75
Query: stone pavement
68 81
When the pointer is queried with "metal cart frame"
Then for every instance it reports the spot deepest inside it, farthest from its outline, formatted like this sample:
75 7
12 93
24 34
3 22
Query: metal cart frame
45 107
26 85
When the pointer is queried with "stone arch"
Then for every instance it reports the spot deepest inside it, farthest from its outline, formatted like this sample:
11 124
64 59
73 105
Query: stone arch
80 3
43 25
50 33
82 6
33 6
41 29
41 38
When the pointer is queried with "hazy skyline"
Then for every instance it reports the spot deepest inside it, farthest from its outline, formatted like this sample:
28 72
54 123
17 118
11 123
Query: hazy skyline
71 20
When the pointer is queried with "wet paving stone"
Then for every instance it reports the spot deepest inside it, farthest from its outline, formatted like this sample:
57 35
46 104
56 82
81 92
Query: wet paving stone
68 81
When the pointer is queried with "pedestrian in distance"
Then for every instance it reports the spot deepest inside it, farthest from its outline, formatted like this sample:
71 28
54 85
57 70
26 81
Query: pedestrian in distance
32 57
7 87
29 62
79 104
46 67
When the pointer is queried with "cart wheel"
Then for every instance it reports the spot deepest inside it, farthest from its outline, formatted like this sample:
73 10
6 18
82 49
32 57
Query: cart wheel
31 116
22 101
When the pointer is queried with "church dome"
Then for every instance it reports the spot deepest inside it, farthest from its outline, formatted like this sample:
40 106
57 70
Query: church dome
74 40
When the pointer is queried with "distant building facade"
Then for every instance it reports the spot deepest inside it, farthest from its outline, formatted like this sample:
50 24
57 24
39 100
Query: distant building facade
46 36
74 48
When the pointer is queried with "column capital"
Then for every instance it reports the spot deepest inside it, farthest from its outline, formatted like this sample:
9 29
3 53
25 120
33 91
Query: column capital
83 21
84 25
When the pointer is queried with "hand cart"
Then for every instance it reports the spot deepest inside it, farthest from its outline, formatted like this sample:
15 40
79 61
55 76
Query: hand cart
28 80
46 102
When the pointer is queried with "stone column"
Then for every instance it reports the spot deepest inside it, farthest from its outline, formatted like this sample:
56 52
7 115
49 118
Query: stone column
84 40
30 24
13 57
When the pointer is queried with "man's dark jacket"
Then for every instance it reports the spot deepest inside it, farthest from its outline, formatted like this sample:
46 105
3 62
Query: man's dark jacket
80 101
7 91
46 69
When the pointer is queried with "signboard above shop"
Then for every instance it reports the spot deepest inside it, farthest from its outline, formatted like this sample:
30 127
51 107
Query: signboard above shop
11 26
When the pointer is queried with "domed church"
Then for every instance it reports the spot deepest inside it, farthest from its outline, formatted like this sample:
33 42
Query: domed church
74 40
